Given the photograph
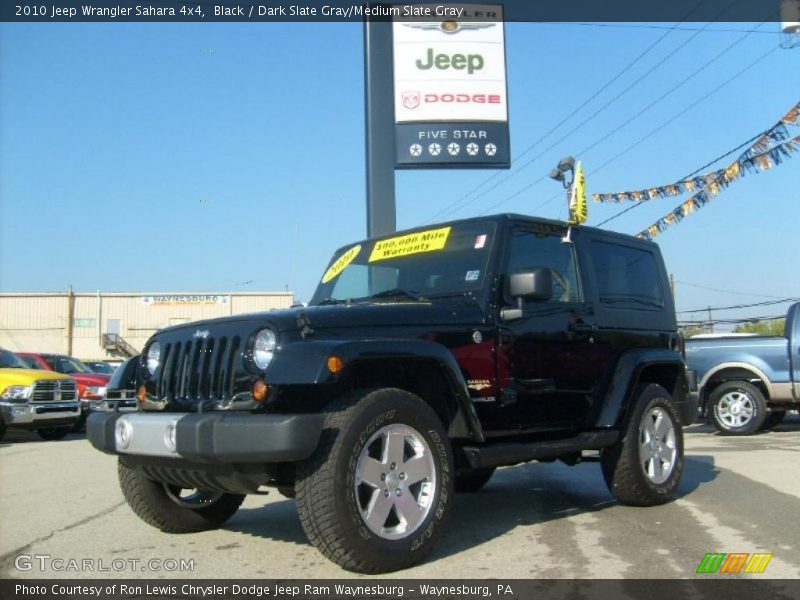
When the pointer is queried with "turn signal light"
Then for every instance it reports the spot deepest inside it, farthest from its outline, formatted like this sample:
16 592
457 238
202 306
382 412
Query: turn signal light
335 364
260 390
141 393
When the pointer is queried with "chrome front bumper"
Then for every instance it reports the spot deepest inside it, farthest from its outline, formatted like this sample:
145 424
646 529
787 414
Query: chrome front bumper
31 413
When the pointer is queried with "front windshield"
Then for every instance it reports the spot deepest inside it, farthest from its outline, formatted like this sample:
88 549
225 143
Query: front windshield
433 263
9 360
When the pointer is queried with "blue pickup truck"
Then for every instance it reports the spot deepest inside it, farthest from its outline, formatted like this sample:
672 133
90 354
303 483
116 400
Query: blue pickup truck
746 384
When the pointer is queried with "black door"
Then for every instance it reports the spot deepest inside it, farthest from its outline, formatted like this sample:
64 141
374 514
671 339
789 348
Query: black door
549 362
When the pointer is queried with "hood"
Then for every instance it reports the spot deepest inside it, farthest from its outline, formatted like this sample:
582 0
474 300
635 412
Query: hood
343 316
98 379
27 376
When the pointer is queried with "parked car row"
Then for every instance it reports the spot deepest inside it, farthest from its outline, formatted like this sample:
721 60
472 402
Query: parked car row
51 394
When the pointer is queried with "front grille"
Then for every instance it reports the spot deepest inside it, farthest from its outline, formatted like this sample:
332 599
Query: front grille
198 370
49 390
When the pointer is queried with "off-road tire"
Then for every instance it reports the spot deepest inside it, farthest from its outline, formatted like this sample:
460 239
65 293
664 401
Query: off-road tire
2 430
326 489
773 419
52 434
754 395
149 500
472 481
621 464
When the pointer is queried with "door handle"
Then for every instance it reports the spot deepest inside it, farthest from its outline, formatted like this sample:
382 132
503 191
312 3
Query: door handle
582 327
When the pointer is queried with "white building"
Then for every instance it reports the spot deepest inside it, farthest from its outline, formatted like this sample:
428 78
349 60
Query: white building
95 326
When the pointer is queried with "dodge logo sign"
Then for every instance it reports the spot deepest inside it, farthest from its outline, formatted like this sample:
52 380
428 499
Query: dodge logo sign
410 99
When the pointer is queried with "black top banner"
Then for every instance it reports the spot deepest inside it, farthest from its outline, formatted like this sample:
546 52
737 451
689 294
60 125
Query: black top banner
149 11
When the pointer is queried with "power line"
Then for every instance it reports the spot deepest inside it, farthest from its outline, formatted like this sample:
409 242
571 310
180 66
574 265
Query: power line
649 134
730 321
637 26
711 93
738 306
722 291
553 129
450 208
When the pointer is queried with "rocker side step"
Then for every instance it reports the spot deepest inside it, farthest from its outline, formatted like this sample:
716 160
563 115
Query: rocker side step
511 453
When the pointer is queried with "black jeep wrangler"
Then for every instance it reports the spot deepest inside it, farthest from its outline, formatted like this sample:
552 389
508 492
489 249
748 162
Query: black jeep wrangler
425 360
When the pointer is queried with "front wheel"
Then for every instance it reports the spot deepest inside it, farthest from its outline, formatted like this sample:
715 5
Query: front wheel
644 467
376 494
738 408
173 509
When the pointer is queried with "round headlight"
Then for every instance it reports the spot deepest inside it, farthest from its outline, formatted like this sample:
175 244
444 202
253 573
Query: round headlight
153 357
264 348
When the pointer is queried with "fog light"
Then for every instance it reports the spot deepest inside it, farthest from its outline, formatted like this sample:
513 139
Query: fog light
19 411
335 364
260 390
123 434
141 393
170 437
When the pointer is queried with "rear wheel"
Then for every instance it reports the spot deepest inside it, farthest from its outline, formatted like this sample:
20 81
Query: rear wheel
2 430
173 509
375 495
737 408
473 481
644 467
774 418
54 433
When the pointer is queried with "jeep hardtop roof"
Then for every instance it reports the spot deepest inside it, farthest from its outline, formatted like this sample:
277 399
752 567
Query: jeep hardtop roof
503 218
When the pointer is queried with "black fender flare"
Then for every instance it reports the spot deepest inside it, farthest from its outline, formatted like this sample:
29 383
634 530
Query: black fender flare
305 363
624 379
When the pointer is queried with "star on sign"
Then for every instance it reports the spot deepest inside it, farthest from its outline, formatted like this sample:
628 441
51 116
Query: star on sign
472 149
453 149
415 149
435 149
490 149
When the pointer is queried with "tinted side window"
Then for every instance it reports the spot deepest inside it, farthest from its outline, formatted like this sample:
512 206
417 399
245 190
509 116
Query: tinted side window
530 250
626 277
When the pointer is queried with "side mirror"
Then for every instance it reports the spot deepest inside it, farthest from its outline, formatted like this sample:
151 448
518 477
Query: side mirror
536 285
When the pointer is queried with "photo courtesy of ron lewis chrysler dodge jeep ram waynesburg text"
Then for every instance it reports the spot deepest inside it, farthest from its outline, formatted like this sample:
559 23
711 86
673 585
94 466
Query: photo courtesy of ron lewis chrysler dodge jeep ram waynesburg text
425 360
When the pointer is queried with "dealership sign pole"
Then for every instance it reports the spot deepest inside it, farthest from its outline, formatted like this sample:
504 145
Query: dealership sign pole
446 105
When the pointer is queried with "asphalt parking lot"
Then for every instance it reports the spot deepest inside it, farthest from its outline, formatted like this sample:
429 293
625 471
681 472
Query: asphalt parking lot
61 500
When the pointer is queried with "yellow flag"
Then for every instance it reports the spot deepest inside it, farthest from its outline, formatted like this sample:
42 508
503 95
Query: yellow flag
578 212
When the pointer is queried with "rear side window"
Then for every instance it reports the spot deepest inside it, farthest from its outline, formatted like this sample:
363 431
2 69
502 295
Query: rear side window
626 277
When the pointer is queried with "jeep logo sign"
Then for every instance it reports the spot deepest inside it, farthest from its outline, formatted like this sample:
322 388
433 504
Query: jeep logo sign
459 62
449 77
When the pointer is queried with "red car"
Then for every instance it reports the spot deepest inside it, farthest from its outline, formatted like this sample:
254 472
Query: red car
91 386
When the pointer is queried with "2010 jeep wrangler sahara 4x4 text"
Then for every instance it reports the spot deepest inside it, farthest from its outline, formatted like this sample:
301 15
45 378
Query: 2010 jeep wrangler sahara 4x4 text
424 360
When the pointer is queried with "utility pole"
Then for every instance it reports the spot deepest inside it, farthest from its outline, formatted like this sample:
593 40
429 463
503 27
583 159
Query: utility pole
70 318
379 84
672 288
710 321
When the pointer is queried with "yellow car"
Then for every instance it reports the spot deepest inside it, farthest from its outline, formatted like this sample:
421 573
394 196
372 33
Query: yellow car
30 399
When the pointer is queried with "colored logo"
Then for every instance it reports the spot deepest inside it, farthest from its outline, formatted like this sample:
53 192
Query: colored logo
733 563
450 27
410 99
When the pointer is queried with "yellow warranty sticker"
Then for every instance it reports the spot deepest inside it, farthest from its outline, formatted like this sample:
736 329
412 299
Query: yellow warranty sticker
413 243
341 263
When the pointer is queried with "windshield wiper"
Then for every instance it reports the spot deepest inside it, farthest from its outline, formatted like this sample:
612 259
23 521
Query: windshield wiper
397 293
